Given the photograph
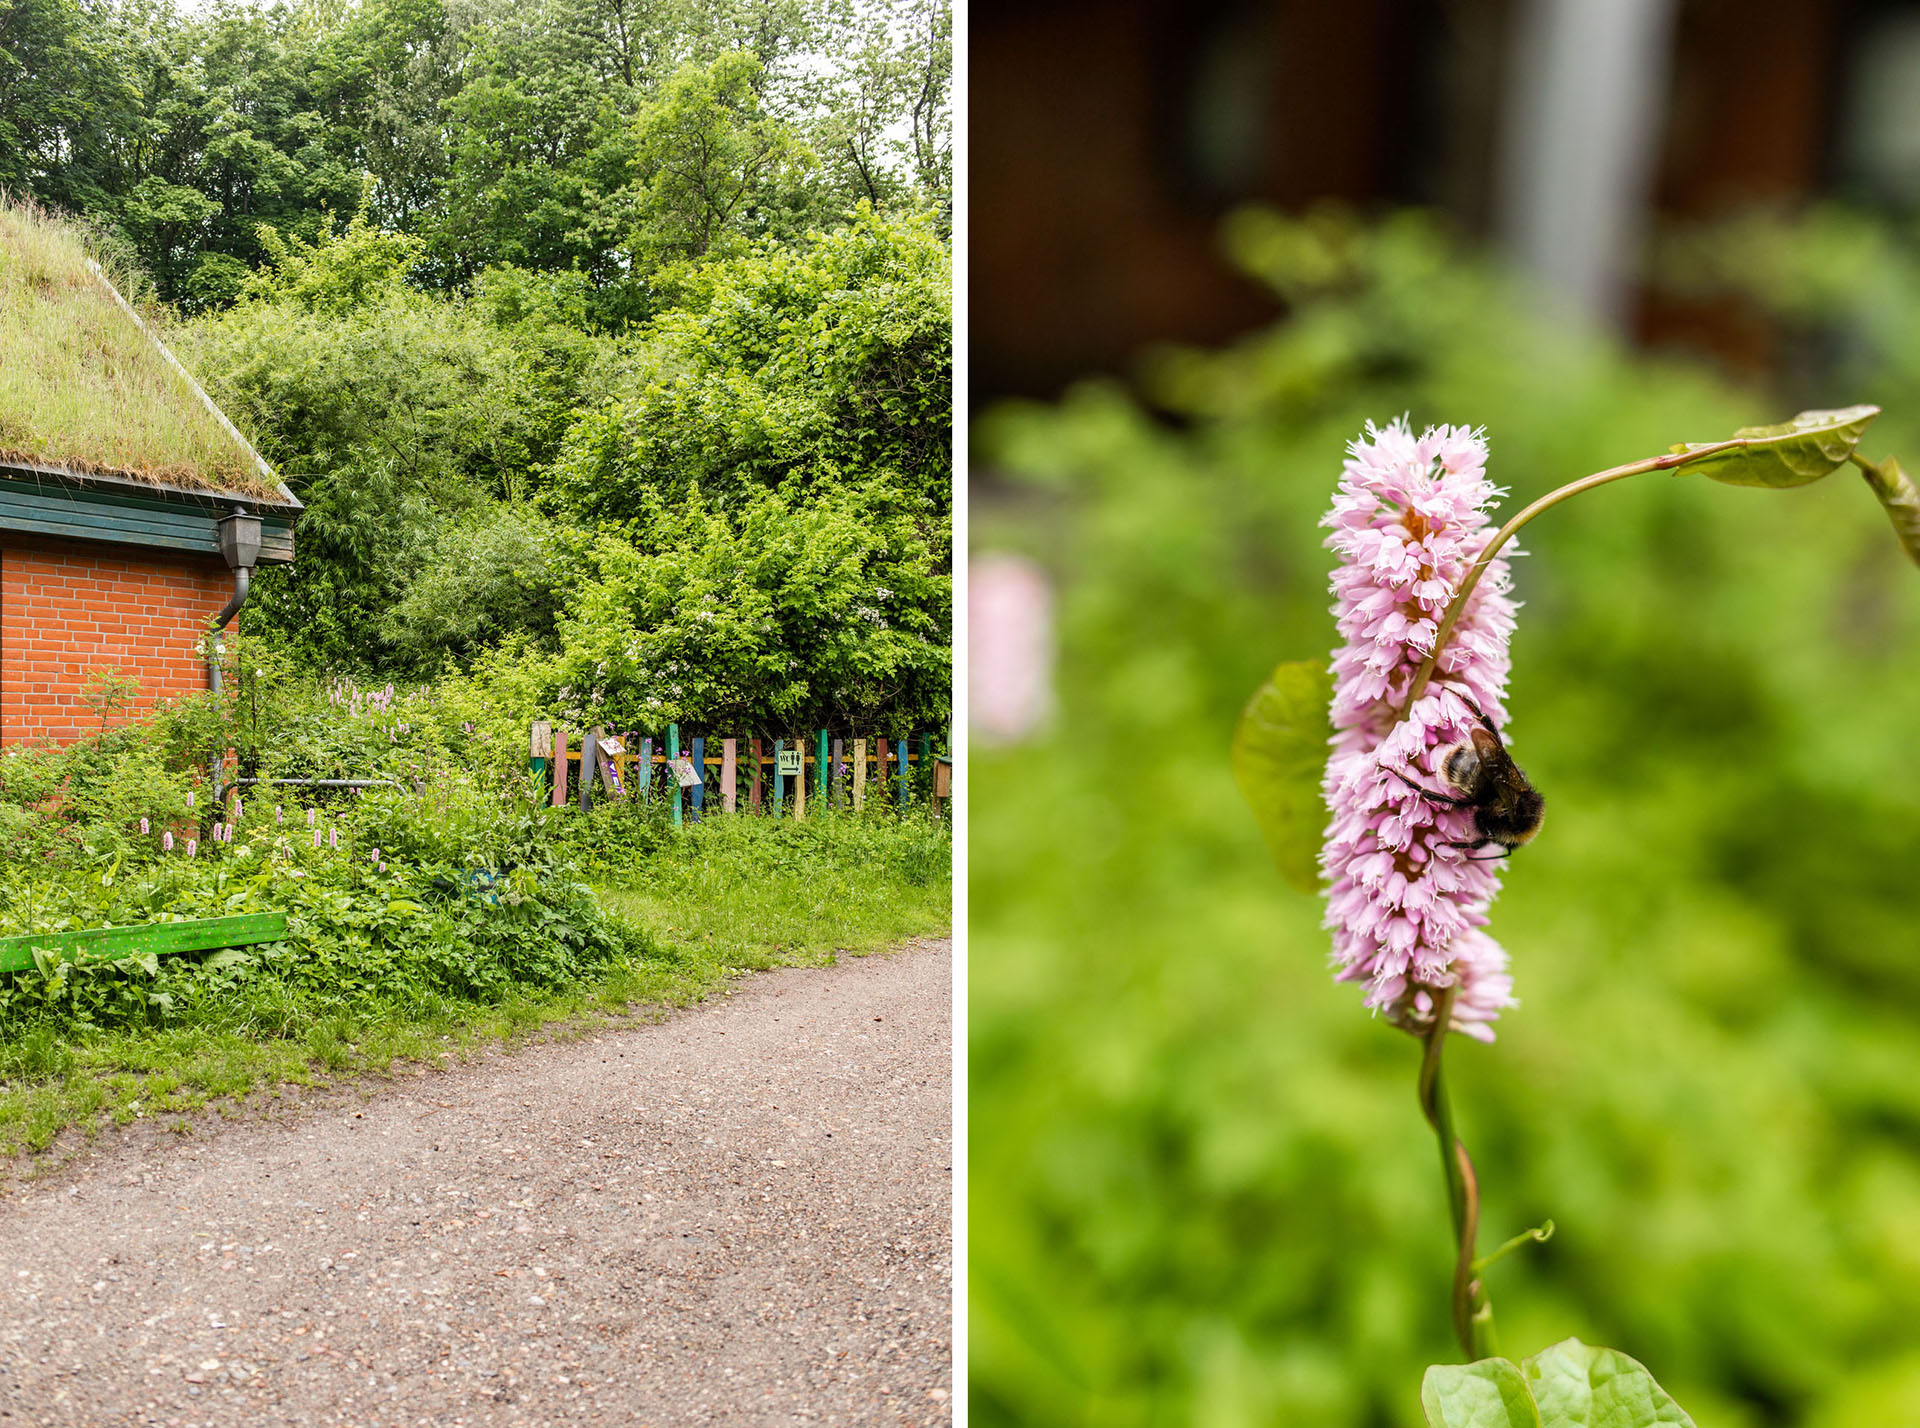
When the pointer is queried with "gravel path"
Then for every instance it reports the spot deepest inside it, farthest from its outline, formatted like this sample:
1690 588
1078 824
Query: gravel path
741 1215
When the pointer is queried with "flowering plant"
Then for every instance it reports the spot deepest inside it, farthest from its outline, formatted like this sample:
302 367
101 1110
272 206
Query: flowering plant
1383 779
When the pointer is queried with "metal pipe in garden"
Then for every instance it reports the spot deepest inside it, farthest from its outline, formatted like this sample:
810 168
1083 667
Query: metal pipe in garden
590 756
322 782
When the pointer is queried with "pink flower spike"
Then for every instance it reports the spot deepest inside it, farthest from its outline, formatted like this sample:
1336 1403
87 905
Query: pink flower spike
239 810
166 841
1405 905
312 813
316 837
278 816
193 846
375 855
189 799
143 825
333 837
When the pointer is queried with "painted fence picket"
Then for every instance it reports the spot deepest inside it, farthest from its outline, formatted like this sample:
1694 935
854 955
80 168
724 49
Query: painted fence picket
673 778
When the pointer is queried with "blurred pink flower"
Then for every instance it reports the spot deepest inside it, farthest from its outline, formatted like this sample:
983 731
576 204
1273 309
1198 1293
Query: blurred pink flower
1405 908
166 841
1010 648
189 799
312 813
193 846
143 825
316 837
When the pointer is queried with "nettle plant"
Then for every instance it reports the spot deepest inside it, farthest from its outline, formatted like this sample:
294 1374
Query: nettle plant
1405 823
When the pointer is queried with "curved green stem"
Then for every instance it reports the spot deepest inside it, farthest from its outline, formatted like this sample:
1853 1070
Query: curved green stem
1506 533
1472 1313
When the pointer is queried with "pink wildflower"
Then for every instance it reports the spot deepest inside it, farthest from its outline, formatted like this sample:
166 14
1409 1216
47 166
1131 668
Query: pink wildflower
193 846
1405 908
166 841
312 813
143 825
278 816
239 810
333 837
189 799
316 837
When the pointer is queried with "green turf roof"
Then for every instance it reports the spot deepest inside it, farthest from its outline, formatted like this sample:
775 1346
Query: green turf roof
84 388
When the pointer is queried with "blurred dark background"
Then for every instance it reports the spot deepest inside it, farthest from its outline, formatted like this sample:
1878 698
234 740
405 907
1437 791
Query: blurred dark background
1210 242
1110 136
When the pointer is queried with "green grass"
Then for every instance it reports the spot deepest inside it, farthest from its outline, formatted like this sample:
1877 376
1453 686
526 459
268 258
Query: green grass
82 386
785 895
714 903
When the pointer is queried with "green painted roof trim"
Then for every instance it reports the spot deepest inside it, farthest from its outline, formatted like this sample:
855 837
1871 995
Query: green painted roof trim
50 502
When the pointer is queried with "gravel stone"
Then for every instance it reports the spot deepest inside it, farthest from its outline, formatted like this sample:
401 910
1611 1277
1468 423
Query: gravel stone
740 1215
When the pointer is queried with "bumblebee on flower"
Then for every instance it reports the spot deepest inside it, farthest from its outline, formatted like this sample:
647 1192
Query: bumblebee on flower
1408 896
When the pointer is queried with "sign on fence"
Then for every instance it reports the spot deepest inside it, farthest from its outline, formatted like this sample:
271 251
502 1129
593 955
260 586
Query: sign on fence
789 763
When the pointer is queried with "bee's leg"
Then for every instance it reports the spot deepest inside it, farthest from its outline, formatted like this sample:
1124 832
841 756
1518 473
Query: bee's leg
1446 798
1485 722
1505 852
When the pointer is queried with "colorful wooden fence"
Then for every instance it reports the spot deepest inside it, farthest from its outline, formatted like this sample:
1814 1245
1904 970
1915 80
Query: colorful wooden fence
833 771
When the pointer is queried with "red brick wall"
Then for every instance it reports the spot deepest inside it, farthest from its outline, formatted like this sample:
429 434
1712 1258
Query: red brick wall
68 609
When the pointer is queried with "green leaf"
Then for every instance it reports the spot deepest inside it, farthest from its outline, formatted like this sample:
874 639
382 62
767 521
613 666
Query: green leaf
1790 453
1279 756
1566 1386
1489 1394
1581 1387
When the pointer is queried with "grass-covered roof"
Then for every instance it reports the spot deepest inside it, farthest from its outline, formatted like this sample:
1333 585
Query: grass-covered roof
84 388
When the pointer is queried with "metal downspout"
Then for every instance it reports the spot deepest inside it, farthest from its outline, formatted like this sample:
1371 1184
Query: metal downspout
242 587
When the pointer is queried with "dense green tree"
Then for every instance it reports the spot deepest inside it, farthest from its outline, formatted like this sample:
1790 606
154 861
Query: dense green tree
604 136
825 363
391 412
781 611
707 160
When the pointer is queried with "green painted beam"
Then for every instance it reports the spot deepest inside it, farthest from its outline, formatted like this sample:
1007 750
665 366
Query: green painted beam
104 944
53 508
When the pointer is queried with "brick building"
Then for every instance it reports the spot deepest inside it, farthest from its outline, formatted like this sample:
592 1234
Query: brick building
122 536
96 577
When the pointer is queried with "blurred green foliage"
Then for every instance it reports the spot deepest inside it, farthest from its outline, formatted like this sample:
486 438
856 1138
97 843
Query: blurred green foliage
1201 1190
